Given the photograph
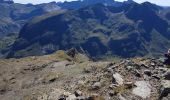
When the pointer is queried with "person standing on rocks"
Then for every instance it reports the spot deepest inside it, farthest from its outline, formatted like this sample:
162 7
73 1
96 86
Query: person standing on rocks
167 61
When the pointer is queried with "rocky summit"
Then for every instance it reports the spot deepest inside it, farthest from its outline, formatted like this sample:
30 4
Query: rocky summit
69 75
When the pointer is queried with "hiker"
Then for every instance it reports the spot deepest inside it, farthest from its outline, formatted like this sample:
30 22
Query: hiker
168 54
167 61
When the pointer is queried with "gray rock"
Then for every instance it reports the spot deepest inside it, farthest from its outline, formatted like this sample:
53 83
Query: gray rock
95 97
110 65
110 70
78 93
167 75
72 52
129 67
165 88
121 97
147 72
57 94
144 65
137 73
96 85
129 85
143 89
81 98
117 79
162 69
112 93
156 76
62 97
71 97
111 86
153 64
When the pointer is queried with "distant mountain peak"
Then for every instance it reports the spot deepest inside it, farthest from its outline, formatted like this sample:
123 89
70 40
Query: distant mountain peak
130 1
7 1
83 3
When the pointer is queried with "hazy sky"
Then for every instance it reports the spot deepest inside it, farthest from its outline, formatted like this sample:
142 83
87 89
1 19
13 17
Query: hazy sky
159 2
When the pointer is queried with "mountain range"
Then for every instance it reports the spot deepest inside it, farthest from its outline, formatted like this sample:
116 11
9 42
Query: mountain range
14 16
95 27
129 30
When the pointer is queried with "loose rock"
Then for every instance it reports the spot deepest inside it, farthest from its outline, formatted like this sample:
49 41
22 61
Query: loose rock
129 85
78 93
147 72
117 79
96 85
121 97
167 75
165 88
95 97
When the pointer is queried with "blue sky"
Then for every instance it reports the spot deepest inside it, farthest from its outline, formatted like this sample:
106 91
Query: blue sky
159 2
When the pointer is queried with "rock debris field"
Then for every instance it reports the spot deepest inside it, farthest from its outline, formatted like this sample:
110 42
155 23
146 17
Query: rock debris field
73 76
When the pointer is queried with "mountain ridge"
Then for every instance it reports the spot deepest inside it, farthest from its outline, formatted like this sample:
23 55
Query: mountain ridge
77 29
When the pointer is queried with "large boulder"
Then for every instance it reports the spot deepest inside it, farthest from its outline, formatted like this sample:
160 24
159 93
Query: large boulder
117 79
143 89
165 88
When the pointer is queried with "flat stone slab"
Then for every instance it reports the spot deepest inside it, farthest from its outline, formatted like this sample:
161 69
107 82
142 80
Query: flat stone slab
143 89
117 78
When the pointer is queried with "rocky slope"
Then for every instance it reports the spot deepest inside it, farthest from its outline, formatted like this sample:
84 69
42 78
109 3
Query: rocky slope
127 31
72 76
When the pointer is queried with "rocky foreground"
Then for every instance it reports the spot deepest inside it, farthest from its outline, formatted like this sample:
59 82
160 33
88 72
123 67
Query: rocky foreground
72 76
